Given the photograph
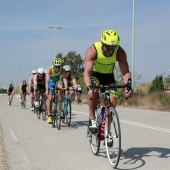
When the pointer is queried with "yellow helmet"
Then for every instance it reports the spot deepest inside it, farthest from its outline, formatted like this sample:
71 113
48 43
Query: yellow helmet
110 37
57 61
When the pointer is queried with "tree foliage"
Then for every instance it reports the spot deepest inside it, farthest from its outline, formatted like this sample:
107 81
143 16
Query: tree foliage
157 84
75 61
3 90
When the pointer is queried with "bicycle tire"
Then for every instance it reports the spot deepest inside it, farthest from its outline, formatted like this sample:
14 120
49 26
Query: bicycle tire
44 115
68 115
113 138
38 113
53 117
58 116
94 142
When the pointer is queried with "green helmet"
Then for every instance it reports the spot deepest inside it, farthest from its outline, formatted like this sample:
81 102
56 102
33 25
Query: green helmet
57 61
110 37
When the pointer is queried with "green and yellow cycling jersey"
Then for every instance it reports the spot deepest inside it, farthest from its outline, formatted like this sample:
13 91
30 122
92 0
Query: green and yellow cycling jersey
104 64
53 76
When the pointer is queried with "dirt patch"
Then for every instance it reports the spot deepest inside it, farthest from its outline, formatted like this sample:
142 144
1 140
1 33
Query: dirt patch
2 157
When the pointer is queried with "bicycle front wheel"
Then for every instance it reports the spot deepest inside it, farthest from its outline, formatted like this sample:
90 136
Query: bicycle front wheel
113 138
68 115
38 111
44 114
58 115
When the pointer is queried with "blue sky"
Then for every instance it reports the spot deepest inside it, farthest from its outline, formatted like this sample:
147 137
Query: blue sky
26 42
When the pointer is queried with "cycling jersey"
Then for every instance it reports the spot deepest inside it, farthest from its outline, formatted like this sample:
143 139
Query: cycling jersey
41 83
104 64
55 78
23 88
10 89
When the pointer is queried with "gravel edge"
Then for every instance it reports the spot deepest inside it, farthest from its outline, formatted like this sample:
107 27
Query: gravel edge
2 155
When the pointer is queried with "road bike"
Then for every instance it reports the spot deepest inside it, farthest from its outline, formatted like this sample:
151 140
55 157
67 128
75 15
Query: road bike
108 126
57 109
10 99
23 100
40 110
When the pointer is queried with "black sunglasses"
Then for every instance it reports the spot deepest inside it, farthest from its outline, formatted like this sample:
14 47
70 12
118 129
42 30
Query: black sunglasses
57 66
110 47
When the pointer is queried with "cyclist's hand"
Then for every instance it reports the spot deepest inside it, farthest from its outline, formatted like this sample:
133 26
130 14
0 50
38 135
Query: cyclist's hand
128 94
90 94
47 93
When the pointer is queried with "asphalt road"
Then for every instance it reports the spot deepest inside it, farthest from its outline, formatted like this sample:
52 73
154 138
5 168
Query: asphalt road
32 144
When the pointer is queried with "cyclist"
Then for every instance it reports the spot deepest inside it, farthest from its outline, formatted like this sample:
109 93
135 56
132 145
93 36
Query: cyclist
10 90
79 91
39 85
71 81
99 64
31 88
23 89
53 79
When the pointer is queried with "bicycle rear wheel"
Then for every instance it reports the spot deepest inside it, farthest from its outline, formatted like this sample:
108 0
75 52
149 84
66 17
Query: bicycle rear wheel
58 116
113 138
94 142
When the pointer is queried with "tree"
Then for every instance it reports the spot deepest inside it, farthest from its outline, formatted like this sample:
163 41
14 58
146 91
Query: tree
157 84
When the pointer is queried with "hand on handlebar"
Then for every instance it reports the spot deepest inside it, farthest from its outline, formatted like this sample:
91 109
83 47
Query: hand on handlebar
128 94
90 94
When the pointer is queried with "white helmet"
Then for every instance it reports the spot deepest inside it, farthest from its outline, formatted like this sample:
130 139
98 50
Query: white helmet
34 71
67 68
40 71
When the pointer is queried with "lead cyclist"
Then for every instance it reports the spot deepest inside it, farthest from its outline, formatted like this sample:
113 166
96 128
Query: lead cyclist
99 65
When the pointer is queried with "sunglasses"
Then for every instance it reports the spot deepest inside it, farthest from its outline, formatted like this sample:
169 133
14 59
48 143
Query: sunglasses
110 47
57 66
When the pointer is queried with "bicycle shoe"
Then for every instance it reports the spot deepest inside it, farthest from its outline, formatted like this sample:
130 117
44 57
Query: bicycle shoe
92 126
49 120
36 104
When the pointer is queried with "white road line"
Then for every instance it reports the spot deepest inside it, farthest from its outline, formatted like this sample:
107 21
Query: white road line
146 126
134 123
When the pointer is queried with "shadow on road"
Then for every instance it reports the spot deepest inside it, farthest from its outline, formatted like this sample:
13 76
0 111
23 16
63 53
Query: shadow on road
135 156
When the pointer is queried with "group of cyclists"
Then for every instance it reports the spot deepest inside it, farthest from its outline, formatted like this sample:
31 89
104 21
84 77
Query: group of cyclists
99 65
46 81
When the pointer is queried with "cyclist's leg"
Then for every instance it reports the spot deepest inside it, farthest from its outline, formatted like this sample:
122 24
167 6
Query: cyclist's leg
93 103
71 92
59 84
51 86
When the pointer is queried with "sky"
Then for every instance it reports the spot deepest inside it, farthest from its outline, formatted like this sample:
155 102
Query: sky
26 42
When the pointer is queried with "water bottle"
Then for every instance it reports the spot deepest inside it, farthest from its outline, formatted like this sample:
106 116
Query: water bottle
102 127
102 112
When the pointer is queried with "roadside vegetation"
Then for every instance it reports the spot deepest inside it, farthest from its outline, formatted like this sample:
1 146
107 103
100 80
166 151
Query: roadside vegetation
153 95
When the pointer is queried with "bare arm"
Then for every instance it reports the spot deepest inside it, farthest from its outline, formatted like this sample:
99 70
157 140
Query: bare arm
47 77
74 80
124 67
64 78
123 64
88 64
35 82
